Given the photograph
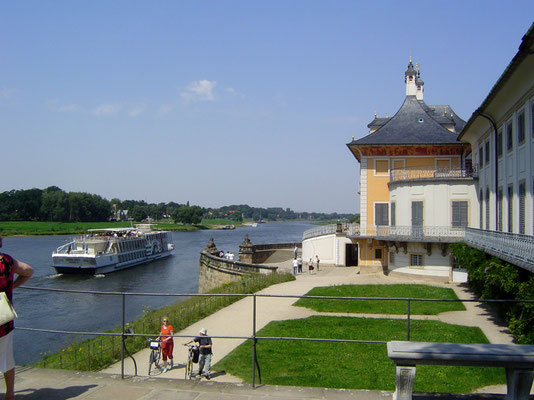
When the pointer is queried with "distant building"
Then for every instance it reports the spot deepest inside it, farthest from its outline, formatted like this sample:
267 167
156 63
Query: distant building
501 134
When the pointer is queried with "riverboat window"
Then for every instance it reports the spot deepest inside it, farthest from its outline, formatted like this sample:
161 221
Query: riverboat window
510 208
487 152
378 254
459 213
522 195
521 127
381 214
499 143
499 209
509 137
416 260
392 212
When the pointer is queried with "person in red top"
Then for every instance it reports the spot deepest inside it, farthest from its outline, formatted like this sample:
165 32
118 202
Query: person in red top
166 342
10 266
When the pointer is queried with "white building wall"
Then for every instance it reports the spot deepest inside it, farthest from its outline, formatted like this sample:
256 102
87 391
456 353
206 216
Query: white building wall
433 265
329 248
437 200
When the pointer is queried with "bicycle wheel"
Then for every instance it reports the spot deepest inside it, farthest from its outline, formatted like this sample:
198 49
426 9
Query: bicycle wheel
150 361
157 359
188 369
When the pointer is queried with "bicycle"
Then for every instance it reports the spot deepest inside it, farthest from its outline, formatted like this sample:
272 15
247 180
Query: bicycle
192 355
155 354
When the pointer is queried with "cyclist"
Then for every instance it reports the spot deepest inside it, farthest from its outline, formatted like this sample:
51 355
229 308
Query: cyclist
167 343
204 359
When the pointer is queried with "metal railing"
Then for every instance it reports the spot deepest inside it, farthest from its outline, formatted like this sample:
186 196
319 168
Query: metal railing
324 230
512 247
446 234
124 332
417 173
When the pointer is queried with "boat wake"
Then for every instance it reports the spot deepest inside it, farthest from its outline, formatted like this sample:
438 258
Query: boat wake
52 276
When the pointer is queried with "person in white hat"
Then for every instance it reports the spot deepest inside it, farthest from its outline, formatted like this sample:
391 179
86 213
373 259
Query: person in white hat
204 359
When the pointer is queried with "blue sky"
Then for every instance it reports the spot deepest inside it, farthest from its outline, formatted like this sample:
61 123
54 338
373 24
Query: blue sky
229 102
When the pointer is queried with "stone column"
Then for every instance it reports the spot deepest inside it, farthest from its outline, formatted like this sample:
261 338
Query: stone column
211 248
246 251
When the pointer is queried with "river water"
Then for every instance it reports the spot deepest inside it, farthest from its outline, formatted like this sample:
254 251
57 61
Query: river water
89 312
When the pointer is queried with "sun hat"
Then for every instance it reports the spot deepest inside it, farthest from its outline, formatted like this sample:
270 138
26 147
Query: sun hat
204 331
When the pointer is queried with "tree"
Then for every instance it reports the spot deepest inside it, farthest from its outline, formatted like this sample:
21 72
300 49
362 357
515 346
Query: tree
188 215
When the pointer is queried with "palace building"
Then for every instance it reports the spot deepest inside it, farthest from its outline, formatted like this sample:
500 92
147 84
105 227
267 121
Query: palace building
429 179
416 187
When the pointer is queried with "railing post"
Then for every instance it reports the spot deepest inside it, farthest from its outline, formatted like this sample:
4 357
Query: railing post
122 336
408 322
253 340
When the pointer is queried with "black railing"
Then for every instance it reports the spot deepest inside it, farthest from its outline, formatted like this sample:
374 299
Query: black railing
123 334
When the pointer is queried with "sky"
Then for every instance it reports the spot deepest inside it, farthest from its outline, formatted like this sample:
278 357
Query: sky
229 102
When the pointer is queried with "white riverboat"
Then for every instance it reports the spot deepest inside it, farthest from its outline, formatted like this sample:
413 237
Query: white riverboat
102 251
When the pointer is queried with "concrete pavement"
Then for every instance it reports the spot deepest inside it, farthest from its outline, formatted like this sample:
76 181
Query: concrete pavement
236 320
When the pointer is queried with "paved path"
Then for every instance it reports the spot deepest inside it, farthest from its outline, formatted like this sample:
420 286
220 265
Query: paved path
236 320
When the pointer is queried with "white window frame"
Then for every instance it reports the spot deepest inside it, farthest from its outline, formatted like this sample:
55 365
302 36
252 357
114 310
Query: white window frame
381 159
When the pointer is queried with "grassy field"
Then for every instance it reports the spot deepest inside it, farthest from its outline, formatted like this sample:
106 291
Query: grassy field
382 307
102 351
34 228
355 365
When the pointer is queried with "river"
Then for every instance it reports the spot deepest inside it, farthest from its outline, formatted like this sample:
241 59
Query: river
88 312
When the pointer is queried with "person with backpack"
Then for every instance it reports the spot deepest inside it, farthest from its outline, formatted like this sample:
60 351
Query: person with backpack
204 360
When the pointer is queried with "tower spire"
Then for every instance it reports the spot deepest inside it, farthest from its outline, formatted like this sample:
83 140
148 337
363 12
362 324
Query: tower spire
409 79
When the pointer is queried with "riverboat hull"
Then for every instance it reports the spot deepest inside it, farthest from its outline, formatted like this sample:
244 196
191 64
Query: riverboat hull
109 250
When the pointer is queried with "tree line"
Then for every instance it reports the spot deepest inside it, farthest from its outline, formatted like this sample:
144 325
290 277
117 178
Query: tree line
54 204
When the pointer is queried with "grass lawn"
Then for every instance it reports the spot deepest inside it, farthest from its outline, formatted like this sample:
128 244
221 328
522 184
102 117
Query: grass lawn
382 307
355 365
11 228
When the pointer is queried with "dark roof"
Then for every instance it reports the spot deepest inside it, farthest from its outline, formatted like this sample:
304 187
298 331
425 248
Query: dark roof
414 123
378 122
525 49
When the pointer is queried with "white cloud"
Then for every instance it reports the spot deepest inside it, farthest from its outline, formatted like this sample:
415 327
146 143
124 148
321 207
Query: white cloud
137 110
199 91
230 90
165 109
6 93
68 108
106 109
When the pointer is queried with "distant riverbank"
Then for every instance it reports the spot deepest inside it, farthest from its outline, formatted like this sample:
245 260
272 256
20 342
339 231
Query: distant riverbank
37 228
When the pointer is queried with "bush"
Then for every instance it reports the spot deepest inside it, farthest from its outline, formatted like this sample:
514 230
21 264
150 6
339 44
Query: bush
492 278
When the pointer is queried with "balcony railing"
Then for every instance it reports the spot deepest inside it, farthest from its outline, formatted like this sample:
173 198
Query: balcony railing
511 247
417 173
350 229
445 234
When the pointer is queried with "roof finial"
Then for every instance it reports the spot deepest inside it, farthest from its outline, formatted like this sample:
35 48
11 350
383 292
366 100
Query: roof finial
417 66
376 116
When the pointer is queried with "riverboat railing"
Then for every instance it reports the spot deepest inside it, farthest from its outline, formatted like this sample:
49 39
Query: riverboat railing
419 173
119 338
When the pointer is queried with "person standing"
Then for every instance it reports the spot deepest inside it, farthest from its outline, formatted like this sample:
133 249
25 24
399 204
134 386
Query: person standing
205 347
295 266
310 266
300 264
317 262
10 266
167 344
295 251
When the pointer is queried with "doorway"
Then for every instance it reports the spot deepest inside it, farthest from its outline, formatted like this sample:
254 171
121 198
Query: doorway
351 255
